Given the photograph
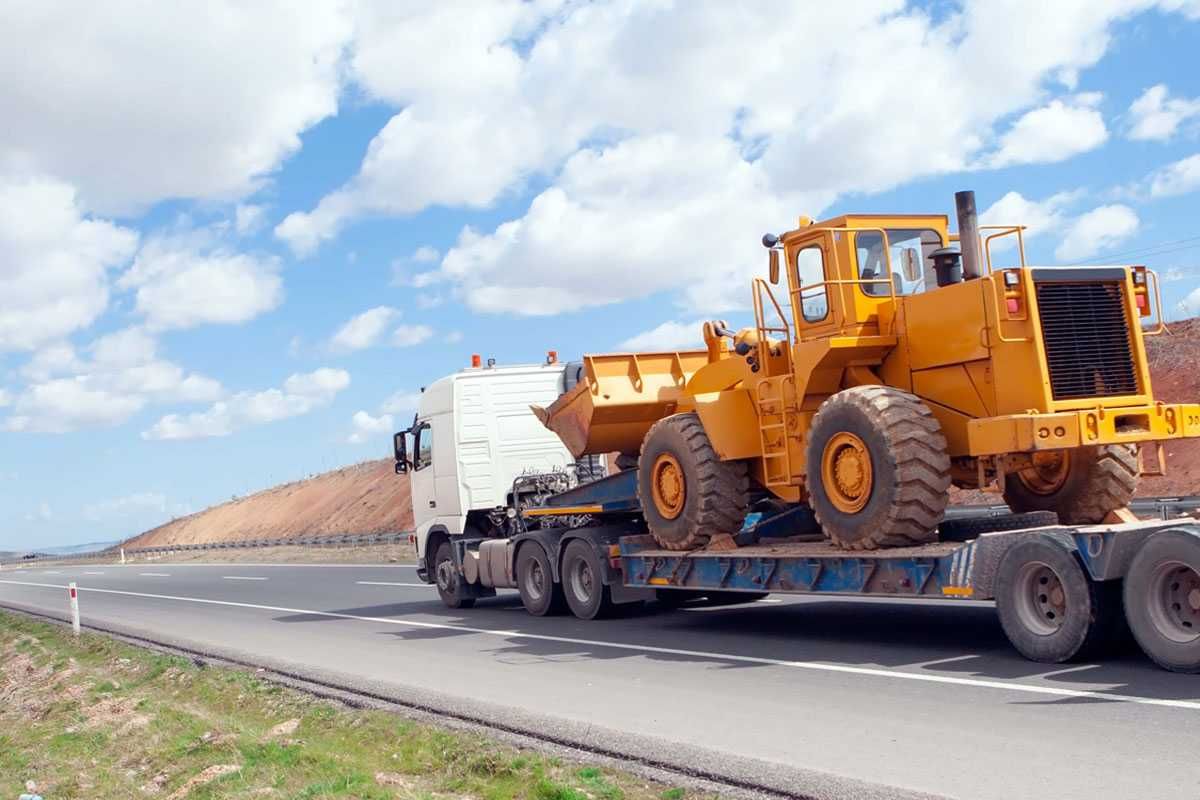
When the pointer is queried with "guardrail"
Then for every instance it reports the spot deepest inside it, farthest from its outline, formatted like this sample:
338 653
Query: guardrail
332 541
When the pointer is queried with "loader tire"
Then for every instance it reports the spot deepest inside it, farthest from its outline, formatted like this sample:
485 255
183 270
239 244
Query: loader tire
1081 485
688 494
878 471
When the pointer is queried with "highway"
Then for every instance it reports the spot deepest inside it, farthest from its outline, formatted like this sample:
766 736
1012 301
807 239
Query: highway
816 697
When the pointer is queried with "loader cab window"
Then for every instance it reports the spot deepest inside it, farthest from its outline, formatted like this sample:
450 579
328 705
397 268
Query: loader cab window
810 278
422 446
909 252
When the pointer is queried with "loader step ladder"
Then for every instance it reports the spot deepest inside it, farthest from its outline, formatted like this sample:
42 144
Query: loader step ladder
774 413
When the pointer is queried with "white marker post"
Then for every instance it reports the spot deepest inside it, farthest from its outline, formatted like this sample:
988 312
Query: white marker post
122 555
74 594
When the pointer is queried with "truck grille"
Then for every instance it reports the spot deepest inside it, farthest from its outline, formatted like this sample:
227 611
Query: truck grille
1086 336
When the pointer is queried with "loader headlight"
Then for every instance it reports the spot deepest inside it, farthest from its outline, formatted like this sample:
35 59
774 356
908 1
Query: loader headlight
1011 279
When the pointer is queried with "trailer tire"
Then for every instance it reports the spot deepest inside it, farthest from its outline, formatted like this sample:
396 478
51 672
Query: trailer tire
1050 610
1082 485
878 470
687 493
967 528
1162 600
540 595
583 582
448 580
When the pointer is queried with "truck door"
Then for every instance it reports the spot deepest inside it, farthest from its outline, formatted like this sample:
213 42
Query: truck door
421 478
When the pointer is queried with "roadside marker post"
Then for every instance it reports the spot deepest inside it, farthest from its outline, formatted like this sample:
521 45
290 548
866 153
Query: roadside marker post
74 595
122 555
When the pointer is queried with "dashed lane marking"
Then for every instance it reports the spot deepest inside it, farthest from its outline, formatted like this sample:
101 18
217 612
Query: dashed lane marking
243 578
392 583
155 574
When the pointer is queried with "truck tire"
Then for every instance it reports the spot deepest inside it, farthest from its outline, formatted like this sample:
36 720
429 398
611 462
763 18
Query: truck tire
1162 600
540 595
878 471
967 528
1082 484
1050 610
583 582
688 494
448 579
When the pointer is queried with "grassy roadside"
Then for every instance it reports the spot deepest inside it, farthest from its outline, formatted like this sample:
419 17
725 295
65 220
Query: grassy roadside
96 718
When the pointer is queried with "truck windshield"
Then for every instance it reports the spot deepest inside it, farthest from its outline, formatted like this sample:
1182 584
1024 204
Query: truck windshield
871 264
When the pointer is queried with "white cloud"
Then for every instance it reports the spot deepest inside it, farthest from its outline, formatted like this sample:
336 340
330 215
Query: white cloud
301 394
188 279
367 428
248 218
1179 177
1097 231
5 398
1040 217
1054 132
667 336
53 260
135 103
1155 116
410 335
66 404
129 505
1190 305
363 330
424 255
401 402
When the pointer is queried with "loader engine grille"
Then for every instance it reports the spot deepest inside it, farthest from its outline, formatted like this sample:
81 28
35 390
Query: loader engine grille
1086 335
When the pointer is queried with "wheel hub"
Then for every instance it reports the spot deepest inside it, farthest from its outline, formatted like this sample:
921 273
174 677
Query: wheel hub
537 581
1047 473
445 576
582 580
1041 599
846 472
1174 601
669 486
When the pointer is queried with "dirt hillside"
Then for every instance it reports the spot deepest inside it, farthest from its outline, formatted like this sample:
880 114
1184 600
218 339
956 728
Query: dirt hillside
365 498
1175 368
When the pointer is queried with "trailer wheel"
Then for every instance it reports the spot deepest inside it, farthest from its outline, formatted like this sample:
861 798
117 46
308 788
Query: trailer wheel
1049 608
540 595
687 493
583 582
1162 600
878 471
448 578
1082 484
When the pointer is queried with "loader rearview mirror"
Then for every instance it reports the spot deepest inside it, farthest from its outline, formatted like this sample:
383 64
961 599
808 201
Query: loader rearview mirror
910 263
773 266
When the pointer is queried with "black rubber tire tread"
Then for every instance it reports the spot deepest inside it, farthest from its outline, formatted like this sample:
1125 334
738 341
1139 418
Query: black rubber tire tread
1093 609
552 602
1103 479
450 597
599 605
964 529
717 492
910 466
1165 545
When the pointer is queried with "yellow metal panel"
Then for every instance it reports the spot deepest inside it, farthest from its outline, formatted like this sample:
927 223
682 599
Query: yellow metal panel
950 386
731 423
720 375
954 428
944 326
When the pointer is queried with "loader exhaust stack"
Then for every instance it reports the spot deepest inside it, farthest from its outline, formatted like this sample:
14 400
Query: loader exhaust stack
968 234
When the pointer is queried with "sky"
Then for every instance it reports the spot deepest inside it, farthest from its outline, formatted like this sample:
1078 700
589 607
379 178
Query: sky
236 239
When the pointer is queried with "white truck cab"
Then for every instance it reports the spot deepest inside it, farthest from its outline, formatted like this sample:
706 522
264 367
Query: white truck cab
473 435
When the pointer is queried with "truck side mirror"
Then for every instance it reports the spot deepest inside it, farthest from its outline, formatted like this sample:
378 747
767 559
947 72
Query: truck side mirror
400 449
773 266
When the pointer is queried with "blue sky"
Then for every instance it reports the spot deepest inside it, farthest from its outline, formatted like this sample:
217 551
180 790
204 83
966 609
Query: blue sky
232 252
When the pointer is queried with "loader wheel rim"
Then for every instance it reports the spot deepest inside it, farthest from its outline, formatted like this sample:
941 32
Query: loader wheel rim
846 472
668 486
1048 473
1041 599
1173 598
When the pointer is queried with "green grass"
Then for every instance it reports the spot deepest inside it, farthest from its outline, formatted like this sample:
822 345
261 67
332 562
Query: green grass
95 718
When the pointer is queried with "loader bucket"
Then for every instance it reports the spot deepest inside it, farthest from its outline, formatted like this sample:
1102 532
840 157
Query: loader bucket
620 397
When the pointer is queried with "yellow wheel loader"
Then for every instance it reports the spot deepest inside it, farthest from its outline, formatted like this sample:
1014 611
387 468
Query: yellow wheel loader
897 366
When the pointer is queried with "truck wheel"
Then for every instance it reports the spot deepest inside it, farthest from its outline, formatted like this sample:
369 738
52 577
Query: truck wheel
583 582
878 472
1162 600
967 528
688 494
1082 484
1049 609
540 595
448 578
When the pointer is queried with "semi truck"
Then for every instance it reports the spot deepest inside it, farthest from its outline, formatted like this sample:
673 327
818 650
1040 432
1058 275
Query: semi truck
500 503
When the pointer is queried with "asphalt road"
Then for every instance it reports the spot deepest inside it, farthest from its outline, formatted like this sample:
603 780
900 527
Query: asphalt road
812 695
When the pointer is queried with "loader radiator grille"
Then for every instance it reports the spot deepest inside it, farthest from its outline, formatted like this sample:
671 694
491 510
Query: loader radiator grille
1086 335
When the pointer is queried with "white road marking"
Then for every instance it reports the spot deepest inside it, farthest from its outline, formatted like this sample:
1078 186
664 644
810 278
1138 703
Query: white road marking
155 574
390 583
51 572
228 564
769 600
93 573
816 666
242 578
